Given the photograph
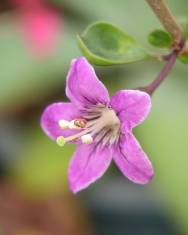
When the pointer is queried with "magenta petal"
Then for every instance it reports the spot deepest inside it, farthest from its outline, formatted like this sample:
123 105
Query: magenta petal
132 107
132 161
87 165
55 112
83 87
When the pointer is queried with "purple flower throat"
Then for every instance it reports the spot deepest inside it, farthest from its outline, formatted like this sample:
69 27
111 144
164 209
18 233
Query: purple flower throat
98 122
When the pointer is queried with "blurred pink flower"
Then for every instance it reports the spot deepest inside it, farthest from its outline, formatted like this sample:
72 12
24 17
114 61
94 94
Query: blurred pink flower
40 25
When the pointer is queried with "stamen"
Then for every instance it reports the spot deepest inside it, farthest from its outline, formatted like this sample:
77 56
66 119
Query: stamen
72 125
60 141
63 124
80 122
99 124
76 136
87 139
77 123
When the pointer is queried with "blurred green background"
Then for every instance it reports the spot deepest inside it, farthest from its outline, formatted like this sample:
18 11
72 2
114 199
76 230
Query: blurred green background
34 196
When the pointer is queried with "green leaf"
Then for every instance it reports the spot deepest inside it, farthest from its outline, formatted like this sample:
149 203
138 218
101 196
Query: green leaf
183 58
105 44
160 38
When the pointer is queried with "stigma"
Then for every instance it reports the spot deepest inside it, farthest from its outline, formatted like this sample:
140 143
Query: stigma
98 123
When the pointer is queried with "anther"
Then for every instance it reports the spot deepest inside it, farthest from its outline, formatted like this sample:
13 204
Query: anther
72 125
87 139
60 141
63 124
77 123
80 122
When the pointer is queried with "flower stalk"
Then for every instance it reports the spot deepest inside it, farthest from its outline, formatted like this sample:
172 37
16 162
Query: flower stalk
170 23
162 75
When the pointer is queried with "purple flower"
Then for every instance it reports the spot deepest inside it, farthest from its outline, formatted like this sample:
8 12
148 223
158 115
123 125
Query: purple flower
101 127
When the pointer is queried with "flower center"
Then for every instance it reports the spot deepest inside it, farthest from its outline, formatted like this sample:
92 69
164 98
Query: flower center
98 123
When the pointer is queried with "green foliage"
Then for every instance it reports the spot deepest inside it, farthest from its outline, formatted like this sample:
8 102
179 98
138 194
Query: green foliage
160 38
43 167
184 23
167 146
22 72
105 44
183 58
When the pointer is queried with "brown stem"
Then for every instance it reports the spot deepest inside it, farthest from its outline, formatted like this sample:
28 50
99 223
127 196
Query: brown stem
167 19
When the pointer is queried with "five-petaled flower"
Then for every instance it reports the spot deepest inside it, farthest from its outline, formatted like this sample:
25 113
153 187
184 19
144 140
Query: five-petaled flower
101 127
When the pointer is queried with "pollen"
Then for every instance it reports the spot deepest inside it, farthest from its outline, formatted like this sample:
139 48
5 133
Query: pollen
63 124
60 141
77 123
87 139
80 122
98 124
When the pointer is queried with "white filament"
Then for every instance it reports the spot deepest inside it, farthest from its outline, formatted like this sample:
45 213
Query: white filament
102 125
